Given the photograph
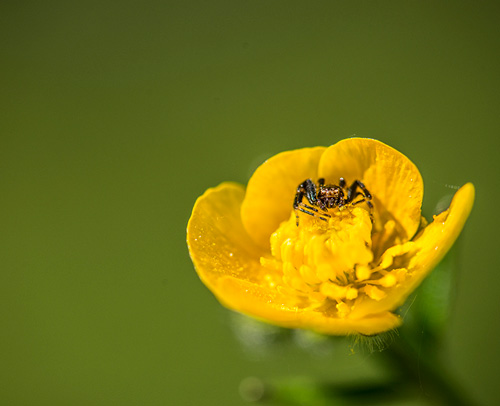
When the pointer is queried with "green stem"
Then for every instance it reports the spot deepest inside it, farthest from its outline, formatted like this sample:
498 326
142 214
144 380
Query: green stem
426 373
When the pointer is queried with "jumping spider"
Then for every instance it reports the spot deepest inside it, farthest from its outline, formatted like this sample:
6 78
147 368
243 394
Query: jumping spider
324 197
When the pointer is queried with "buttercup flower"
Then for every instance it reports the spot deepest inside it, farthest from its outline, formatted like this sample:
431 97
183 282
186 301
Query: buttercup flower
338 270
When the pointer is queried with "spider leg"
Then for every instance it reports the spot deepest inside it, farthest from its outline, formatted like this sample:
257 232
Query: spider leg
342 183
363 199
308 207
304 208
305 189
351 192
310 188
367 201
316 210
298 197
360 201
306 211
321 216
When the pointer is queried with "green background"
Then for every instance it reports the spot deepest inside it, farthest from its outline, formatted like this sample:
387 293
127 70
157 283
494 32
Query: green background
116 115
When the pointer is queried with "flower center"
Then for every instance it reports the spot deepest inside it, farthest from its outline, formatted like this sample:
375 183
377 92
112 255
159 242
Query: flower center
332 261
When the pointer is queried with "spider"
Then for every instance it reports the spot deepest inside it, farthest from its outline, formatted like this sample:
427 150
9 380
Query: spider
324 197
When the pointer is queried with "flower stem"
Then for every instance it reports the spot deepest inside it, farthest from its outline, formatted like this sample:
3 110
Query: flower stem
426 373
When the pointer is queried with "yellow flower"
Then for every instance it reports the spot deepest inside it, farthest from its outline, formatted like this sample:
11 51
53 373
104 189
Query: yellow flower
341 272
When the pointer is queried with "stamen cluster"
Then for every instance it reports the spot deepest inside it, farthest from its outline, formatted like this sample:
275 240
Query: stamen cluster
333 263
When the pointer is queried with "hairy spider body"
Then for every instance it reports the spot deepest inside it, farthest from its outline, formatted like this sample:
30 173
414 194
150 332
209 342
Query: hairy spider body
324 197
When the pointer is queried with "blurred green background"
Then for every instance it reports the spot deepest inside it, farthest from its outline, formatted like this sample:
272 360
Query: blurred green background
116 115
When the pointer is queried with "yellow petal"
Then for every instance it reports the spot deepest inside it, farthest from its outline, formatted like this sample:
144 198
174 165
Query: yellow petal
271 190
392 179
272 307
373 324
431 244
217 242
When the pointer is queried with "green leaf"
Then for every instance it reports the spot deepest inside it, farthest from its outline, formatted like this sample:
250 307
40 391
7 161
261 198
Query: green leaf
427 311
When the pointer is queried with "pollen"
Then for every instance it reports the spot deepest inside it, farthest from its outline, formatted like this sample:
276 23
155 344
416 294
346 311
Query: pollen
332 262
